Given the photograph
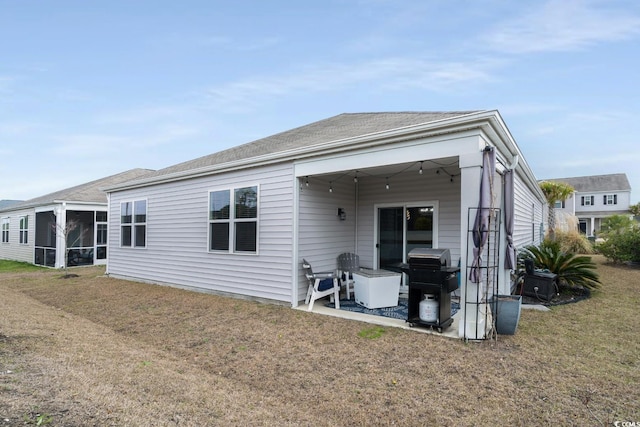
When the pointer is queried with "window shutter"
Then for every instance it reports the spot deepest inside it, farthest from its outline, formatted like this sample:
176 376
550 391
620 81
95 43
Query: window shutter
604 200
581 200
615 199
592 200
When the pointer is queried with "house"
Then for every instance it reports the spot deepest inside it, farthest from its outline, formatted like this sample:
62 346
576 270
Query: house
5 203
595 197
34 230
240 221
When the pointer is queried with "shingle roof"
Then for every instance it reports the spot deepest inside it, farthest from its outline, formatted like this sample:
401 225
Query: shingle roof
91 192
612 182
346 125
6 203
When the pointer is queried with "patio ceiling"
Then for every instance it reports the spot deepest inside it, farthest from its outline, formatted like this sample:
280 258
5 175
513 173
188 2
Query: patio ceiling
448 165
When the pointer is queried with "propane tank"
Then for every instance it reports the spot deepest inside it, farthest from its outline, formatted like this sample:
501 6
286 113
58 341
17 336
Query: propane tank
428 310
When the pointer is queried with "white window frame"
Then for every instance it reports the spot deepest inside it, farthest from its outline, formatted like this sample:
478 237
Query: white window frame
105 224
134 244
23 222
587 200
6 225
610 199
233 221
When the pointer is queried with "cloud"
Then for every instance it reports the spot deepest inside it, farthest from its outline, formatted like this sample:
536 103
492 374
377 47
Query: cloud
186 41
565 25
396 73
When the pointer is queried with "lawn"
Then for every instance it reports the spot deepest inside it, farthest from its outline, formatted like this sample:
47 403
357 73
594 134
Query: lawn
92 350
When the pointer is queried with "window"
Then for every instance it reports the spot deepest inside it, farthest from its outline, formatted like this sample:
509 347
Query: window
587 201
559 204
5 230
610 199
24 230
101 235
133 224
234 225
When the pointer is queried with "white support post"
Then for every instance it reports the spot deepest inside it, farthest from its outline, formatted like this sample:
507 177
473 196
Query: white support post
61 244
472 317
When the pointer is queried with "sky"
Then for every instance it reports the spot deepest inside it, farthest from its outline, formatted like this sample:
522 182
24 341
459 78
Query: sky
89 89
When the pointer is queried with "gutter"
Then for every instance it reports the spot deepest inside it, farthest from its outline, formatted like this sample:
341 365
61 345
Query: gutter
465 122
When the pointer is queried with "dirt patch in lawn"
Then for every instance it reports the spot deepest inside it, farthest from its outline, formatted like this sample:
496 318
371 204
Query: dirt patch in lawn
93 350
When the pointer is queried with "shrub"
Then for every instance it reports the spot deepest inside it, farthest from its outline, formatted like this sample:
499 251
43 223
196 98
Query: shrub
573 242
622 247
616 224
572 270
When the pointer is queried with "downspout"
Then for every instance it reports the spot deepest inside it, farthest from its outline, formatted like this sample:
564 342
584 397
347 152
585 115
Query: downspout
106 271
356 195
294 243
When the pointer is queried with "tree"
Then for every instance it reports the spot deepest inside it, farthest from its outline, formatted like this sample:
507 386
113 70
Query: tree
66 232
635 209
616 224
554 192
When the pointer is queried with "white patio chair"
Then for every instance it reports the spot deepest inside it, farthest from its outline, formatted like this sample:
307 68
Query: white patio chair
320 285
348 263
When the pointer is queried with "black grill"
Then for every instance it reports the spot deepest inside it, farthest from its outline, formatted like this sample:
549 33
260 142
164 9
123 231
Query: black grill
430 273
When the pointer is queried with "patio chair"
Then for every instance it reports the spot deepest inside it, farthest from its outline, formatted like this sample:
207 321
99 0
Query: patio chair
321 284
348 263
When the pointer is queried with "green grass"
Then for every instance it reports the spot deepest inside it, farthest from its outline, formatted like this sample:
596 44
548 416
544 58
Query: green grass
17 266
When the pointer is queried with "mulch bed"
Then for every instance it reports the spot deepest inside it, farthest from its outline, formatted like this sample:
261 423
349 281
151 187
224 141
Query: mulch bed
566 296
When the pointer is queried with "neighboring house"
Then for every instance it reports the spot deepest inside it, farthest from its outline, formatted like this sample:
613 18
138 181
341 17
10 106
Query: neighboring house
6 203
34 231
595 198
240 221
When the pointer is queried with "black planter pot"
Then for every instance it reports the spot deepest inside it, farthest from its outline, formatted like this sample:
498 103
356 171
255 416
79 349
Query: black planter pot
506 309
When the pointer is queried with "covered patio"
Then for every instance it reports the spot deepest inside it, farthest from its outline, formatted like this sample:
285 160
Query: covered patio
381 202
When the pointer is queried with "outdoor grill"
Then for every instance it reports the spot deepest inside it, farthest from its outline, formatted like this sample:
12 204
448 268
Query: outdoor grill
430 274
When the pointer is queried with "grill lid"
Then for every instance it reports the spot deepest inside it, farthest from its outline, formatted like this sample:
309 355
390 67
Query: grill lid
430 256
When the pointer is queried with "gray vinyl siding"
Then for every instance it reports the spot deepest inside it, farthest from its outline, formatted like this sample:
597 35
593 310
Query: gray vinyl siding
322 235
177 236
14 250
404 189
529 215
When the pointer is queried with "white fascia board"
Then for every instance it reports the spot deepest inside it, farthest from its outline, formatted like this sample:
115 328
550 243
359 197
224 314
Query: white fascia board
438 127
411 151
499 134
47 208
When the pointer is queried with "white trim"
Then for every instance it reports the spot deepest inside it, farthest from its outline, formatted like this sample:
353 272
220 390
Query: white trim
133 224
297 182
404 206
232 220
5 220
22 230
485 121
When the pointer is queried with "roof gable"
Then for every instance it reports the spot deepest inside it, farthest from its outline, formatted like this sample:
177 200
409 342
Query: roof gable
585 184
342 126
90 192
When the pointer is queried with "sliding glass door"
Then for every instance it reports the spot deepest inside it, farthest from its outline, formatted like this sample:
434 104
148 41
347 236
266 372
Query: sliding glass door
401 229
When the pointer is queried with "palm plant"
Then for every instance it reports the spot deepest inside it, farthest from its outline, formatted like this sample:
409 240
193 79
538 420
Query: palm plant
572 270
554 192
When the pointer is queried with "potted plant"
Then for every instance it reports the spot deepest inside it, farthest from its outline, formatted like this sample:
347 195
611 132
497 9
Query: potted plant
506 310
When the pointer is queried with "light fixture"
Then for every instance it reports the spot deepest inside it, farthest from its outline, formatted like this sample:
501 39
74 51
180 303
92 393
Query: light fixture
420 171
306 182
355 178
330 188
387 185
438 171
342 215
